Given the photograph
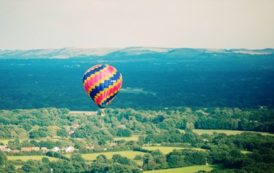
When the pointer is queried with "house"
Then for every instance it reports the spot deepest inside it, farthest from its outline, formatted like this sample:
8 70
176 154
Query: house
44 149
3 147
15 151
75 125
69 149
112 144
71 132
7 150
29 149
55 149
91 147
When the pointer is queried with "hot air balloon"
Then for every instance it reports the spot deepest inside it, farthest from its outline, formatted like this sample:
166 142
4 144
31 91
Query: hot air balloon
102 82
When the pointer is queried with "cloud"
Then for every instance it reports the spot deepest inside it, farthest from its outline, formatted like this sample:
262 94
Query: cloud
130 90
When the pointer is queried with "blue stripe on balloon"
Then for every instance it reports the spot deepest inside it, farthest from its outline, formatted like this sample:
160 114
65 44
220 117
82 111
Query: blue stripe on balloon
104 85
86 75
109 99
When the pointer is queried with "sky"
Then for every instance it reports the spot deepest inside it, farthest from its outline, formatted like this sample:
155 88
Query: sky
33 24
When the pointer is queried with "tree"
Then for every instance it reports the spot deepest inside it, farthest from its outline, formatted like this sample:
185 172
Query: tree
148 162
122 160
189 137
175 159
123 132
62 132
160 159
40 133
3 159
30 166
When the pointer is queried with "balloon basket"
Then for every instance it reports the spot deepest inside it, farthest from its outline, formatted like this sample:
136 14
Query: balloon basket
101 112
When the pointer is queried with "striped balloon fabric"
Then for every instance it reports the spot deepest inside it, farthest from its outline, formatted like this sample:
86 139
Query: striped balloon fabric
102 82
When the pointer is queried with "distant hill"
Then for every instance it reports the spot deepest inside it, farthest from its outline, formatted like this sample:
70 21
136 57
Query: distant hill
65 53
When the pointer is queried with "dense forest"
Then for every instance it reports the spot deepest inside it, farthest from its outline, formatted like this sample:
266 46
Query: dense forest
180 77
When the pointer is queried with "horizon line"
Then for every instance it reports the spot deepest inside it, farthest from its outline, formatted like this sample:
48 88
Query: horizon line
128 47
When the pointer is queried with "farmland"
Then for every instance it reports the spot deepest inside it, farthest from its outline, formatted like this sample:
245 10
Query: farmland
167 149
93 156
188 169
227 132
31 157
135 140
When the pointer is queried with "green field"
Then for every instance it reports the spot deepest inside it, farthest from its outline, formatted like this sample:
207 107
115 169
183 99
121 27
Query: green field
188 169
245 152
26 158
132 138
5 141
128 154
166 149
228 132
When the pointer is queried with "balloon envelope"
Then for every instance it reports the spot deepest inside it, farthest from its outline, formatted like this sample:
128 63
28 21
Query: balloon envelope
102 82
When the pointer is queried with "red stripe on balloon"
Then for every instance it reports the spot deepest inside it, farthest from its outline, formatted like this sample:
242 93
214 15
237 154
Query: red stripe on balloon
108 92
91 82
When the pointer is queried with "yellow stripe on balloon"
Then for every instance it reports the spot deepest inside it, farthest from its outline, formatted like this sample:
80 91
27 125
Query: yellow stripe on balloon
102 80
111 93
100 71
92 68
106 89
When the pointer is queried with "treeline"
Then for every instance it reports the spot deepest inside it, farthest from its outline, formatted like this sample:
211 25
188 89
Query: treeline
228 151
175 159
125 122
72 165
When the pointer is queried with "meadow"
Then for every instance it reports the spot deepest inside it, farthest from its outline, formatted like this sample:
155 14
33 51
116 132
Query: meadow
131 138
188 169
92 156
168 149
227 132
30 157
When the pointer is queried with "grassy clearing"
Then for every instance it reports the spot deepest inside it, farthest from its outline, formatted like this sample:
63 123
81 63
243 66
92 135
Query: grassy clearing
128 154
228 132
245 152
132 138
92 113
167 149
26 158
5 141
188 169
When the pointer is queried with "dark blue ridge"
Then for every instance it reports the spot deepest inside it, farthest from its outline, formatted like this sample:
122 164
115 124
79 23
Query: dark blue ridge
93 71
104 85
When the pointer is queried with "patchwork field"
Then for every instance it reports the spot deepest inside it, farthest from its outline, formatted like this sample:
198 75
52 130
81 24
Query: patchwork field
228 132
132 138
26 158
166 149
128 154
4 141
188 169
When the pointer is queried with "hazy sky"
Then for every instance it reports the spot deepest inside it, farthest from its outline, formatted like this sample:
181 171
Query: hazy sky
28 24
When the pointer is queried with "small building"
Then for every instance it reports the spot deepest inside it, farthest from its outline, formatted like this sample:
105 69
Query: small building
112 144
15 151
71 132
44 149
3 147
55 149
29 149
69 149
